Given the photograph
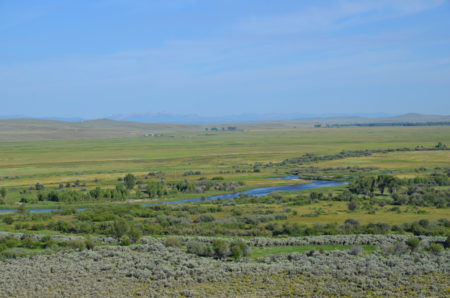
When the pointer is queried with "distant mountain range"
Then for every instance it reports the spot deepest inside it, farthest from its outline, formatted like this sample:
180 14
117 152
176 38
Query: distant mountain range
198 119
239 118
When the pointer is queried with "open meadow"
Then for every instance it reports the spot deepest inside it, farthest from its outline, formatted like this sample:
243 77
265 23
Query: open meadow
55 161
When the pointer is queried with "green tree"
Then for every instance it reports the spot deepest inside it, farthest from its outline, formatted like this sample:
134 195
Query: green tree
382 183
221 248
393 184
3 192
130 181
134 233
156 189
441 145
119 228
239 249
200 248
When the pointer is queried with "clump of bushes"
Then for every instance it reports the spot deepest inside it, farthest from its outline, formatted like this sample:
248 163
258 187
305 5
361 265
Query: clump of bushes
413 243
219 249
14 246
173 242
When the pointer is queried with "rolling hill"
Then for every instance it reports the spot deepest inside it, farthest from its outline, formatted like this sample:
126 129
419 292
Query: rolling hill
28 129
36 129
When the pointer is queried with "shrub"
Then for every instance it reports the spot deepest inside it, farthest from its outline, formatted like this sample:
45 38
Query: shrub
30 243
435 248
48 243
205 218
447 242
413 243
134 234
355 250
397 248
38 227
119 228
200 248
173 242
13 253
20 226
239 249
89 244
10 241
424 223
353 205
125 240
76 244
8 220
221 248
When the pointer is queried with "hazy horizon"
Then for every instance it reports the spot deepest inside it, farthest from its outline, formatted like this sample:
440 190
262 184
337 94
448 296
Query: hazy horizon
95 59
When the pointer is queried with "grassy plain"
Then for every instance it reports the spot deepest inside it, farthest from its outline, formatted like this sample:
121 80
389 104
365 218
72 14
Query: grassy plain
396 161
55 161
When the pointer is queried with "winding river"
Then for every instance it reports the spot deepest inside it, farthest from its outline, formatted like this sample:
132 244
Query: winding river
257 192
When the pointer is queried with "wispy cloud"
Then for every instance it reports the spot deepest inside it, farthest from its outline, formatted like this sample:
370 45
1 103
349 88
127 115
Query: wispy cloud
331 17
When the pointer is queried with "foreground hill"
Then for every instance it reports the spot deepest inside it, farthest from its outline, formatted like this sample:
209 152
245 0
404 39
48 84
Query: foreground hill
153 269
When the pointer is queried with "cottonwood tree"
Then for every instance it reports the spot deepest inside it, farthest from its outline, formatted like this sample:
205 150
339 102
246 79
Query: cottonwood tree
119 228
130 181
3 193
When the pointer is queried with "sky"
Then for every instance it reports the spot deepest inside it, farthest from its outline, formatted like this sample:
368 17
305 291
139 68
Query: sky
94 58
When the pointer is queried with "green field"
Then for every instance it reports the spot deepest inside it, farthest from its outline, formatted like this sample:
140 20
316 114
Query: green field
55 161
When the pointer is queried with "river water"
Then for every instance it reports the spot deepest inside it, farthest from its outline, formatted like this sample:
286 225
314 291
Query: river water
257 192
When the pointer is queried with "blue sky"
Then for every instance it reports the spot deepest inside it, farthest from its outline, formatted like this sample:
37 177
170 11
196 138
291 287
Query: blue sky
94 58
